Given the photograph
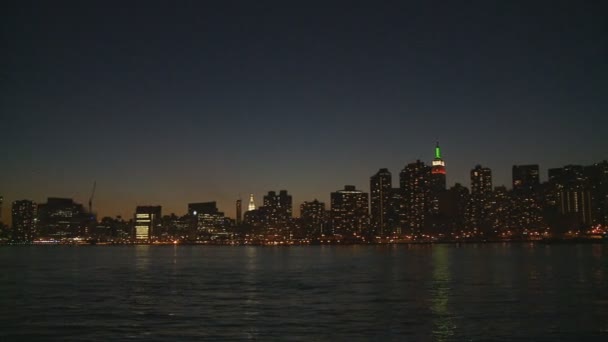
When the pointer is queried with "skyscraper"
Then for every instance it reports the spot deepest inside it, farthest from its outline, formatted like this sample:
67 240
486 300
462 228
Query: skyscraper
349 211
60 218
414 180
207 219
278 207
380 186
525 178
239 214
573 188
251 203
24 214
147 219
312 217
481 194
438 173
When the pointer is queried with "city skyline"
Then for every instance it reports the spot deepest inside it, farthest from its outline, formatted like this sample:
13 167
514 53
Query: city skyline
325 198
169 104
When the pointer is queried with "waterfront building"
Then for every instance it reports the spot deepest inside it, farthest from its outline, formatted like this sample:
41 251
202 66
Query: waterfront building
349 211
147 219
312 217
60 218
414 180
239 214
479 203
525 178
24 221
380 198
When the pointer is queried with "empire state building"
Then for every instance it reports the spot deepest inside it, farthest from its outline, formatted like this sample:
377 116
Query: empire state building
438 171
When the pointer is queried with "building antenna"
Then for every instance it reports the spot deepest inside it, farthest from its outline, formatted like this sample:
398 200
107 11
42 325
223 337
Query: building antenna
91 198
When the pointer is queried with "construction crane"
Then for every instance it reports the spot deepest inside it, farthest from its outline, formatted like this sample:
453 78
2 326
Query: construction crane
91 198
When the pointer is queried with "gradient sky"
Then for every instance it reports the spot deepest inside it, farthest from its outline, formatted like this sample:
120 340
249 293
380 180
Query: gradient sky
185 101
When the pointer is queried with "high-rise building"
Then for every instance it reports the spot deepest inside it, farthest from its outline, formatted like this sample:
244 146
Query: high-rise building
573 188
24 214
239 214
380 186
147 219
251 203
525 178
414 180
597 174
349 211
207 219
453 206
312 217
481 194
60 218
438 174
278 207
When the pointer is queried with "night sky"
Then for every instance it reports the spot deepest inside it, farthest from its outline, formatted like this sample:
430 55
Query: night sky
177 102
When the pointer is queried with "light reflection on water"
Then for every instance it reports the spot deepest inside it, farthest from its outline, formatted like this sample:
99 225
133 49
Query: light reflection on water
396 292
440 294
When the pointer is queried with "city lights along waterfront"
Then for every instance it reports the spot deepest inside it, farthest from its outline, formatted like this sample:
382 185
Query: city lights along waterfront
572 205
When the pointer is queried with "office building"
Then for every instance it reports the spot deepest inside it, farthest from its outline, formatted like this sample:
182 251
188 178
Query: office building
147 220
349 211
24 215
380 197
414 180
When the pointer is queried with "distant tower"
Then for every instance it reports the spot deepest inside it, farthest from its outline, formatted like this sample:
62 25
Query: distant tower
251 203
239 208
380 186
438 171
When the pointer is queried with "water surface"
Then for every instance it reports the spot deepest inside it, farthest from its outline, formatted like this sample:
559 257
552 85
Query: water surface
473 292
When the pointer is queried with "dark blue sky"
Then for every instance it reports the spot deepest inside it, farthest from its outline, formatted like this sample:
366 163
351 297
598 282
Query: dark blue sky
175 102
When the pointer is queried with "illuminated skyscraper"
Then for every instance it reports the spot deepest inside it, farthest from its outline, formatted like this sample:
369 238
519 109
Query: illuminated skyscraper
278 208
481 196
414 180
312 216
146 220
251 203
438 171
380 186
349 211
24 220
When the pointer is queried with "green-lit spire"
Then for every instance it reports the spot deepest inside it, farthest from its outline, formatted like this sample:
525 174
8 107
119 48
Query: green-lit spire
437 151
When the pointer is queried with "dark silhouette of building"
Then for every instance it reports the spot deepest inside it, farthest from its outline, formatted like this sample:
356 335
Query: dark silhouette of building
481 195
414 180
239 212
452 209
24 214
349 211
312 217
147 221
573 192
380 186
597 175
60 218
525 178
